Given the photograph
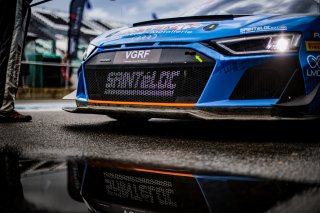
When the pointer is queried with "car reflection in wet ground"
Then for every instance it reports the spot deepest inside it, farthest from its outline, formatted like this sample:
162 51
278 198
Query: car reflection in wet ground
97 185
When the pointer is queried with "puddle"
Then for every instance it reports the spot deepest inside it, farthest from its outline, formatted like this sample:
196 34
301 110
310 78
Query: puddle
96 185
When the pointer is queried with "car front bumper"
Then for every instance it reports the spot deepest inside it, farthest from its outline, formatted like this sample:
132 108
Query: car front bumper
228 113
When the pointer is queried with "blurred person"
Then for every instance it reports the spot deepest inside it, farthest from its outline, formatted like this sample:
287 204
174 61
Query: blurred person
14 20
65 71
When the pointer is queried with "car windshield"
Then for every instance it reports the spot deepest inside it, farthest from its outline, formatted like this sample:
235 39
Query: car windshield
222 7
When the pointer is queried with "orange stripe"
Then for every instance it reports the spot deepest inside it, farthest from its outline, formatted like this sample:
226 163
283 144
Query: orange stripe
163 173
143 103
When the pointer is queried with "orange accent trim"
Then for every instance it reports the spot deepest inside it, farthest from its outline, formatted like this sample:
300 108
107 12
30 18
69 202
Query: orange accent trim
163 173
142 103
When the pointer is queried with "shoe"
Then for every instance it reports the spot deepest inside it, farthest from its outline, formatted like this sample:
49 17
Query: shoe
14 116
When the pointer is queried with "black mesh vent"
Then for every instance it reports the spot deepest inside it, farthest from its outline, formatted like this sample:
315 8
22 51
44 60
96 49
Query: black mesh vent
140 44
112 47
266 81
173 43
164 83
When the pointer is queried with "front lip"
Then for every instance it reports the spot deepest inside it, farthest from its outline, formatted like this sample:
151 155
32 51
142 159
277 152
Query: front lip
241 114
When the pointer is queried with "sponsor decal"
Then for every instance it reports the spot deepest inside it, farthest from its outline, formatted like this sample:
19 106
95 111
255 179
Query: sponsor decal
163 28
138 56
314 66
236 66
139 37
105 60
153 83
313 46
159 192
314 62
263 29
315 35
210 27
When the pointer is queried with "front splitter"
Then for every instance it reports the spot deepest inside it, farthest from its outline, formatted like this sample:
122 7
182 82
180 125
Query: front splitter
251 113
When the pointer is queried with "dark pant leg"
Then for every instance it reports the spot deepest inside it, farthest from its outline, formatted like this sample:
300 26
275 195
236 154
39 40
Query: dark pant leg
7 20
13 23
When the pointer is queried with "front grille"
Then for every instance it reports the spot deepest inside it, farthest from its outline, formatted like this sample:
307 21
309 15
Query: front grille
165 83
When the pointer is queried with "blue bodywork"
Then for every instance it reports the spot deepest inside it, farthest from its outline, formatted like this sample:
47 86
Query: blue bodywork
229 69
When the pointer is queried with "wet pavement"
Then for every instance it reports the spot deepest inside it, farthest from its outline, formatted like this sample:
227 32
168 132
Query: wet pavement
251 166
97 185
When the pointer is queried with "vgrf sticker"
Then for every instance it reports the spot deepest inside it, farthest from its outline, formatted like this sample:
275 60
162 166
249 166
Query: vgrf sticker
138 56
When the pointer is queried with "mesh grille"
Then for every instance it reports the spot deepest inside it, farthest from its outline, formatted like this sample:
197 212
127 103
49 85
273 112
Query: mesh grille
266 81
147 83
258 84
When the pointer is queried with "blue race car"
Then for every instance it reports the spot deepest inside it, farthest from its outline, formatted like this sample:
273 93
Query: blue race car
206 66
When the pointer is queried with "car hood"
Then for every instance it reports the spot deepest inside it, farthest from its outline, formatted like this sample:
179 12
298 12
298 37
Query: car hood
192 30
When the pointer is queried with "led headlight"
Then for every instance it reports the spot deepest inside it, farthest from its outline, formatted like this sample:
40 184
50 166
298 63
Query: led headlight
275 43
88 51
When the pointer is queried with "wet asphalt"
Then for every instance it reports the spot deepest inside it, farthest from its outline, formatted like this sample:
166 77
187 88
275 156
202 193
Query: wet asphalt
281 150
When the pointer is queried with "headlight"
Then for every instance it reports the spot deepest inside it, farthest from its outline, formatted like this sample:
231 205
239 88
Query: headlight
89 51
275 43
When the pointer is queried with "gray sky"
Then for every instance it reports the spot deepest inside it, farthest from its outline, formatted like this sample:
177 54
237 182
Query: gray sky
130 10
